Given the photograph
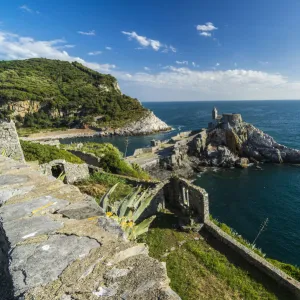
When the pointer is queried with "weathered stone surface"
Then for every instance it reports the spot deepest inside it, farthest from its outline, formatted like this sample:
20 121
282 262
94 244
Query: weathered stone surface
82 210
22 229
12 179
52 246
36 206
9 141
6 194
73 172
37 264
111 226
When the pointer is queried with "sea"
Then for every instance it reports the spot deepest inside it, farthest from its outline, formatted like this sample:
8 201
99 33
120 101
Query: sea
244 199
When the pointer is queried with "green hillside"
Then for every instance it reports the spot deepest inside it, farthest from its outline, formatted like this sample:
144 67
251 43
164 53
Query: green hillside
45 93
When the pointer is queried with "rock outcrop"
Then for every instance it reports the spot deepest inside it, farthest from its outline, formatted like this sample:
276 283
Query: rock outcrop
146 125
228 146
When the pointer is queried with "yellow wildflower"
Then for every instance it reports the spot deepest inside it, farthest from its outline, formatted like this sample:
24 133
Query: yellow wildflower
109 213
130 224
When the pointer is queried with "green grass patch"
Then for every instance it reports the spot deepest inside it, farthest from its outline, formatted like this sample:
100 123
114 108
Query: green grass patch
196 270
289 269
46 153
99 183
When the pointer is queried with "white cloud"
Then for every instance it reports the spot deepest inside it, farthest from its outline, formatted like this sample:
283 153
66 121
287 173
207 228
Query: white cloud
108 48
184 62
180 83
147 69
67 46
13 46
195 65
26 8
146 42
91 32
217 64
205 33
94 53
29 10
206 29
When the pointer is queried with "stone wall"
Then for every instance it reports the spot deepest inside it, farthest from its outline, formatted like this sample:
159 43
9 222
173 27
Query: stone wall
192 201
257 261
60 245
73 172
141 151
9 141
189 199
89 158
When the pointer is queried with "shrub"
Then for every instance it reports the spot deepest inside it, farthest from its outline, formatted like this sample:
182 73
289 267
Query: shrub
127 211
111 159
47 153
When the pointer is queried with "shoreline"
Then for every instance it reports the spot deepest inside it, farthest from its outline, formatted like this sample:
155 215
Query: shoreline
77 133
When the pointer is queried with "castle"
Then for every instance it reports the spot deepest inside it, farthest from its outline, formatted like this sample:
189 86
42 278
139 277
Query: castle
225 121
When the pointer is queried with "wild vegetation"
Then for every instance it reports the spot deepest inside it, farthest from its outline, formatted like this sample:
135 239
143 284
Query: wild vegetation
127 211
197 271
68 94
99 183
289 269
46 153
111 159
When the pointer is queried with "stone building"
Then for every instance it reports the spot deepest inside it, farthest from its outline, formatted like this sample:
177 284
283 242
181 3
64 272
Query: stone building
225 120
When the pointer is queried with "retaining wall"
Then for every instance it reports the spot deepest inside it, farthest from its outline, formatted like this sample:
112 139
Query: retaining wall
186 196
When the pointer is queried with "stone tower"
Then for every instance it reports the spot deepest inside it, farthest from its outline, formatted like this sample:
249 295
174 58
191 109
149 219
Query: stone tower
214 114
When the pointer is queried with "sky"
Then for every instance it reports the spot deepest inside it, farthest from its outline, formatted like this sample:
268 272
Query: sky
166 50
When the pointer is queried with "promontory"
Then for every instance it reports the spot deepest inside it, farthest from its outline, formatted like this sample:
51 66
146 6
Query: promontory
42 93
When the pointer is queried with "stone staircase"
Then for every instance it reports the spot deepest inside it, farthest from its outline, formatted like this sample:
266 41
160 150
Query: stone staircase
56 243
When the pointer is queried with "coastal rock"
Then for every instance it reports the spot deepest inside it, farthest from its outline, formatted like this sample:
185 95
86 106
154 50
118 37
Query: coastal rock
229 146
148 124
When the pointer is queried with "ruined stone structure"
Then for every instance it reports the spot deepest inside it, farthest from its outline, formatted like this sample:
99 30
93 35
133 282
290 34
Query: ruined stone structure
70 172
9 141
225 120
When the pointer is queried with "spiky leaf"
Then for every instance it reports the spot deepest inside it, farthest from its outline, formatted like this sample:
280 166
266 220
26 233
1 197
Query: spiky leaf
142 207
105 199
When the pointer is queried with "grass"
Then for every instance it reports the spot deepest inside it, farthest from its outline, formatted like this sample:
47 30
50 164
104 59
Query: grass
196 270
99 183
46 153
293 271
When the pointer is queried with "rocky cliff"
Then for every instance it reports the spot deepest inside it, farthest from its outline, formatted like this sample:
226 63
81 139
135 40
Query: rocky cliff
147 124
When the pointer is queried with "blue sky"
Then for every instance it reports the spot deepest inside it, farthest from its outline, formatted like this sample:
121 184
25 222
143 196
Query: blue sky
166 50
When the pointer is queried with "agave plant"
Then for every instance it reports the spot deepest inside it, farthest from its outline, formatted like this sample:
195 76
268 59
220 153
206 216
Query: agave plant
128 211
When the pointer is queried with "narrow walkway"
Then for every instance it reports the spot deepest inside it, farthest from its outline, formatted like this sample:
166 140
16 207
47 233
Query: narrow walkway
61 246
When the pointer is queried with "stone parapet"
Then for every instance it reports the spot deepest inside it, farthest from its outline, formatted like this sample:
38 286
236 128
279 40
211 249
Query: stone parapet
55 245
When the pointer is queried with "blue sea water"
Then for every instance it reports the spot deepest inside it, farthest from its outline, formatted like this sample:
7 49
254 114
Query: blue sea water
243 199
